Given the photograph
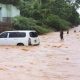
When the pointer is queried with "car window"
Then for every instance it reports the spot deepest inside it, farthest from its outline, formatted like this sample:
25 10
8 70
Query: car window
21 34
17 34
3 35
33 34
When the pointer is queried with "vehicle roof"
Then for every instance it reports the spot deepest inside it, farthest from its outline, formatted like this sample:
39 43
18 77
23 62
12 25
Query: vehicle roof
21 31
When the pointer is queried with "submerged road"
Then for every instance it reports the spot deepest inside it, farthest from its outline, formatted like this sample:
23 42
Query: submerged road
51 60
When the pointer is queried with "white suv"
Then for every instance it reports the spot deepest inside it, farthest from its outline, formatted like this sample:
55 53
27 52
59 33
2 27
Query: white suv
24 37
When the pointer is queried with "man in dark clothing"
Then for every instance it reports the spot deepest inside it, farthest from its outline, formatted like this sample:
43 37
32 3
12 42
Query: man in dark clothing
61 34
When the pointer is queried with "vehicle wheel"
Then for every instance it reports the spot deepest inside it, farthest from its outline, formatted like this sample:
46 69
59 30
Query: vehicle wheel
20 44
29 41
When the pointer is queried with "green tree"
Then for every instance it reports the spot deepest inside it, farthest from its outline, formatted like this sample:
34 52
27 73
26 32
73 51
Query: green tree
52 13
14 2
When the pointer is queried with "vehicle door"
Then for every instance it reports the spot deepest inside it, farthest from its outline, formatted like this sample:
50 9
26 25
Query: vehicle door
4 38
16 37
13 38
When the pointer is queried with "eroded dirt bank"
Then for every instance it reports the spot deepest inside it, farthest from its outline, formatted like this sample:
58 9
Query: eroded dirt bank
52 60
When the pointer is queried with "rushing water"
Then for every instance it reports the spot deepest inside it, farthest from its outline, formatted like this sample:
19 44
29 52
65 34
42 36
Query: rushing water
51 60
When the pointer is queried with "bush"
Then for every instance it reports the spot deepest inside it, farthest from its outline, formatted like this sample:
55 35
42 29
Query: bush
22 23
57 23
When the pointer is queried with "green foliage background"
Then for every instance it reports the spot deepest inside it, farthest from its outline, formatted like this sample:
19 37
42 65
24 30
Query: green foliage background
45 15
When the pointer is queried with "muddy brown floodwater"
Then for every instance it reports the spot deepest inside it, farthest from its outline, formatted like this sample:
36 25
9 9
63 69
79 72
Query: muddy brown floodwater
51 60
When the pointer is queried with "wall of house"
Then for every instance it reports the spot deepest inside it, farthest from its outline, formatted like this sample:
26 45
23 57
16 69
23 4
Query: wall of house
8 11
14 11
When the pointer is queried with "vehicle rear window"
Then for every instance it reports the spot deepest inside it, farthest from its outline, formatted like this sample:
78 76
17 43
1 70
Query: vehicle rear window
33 34
17 34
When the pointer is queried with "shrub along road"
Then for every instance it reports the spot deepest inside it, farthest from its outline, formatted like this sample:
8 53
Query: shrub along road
51 60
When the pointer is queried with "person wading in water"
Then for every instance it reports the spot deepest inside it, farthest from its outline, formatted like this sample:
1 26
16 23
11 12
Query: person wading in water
61 34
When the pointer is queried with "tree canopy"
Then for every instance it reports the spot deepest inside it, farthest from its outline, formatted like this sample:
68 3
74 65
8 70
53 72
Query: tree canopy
45 12
14 2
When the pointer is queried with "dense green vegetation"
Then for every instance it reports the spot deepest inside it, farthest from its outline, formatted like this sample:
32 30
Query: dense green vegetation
22 23
14 2
45 15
